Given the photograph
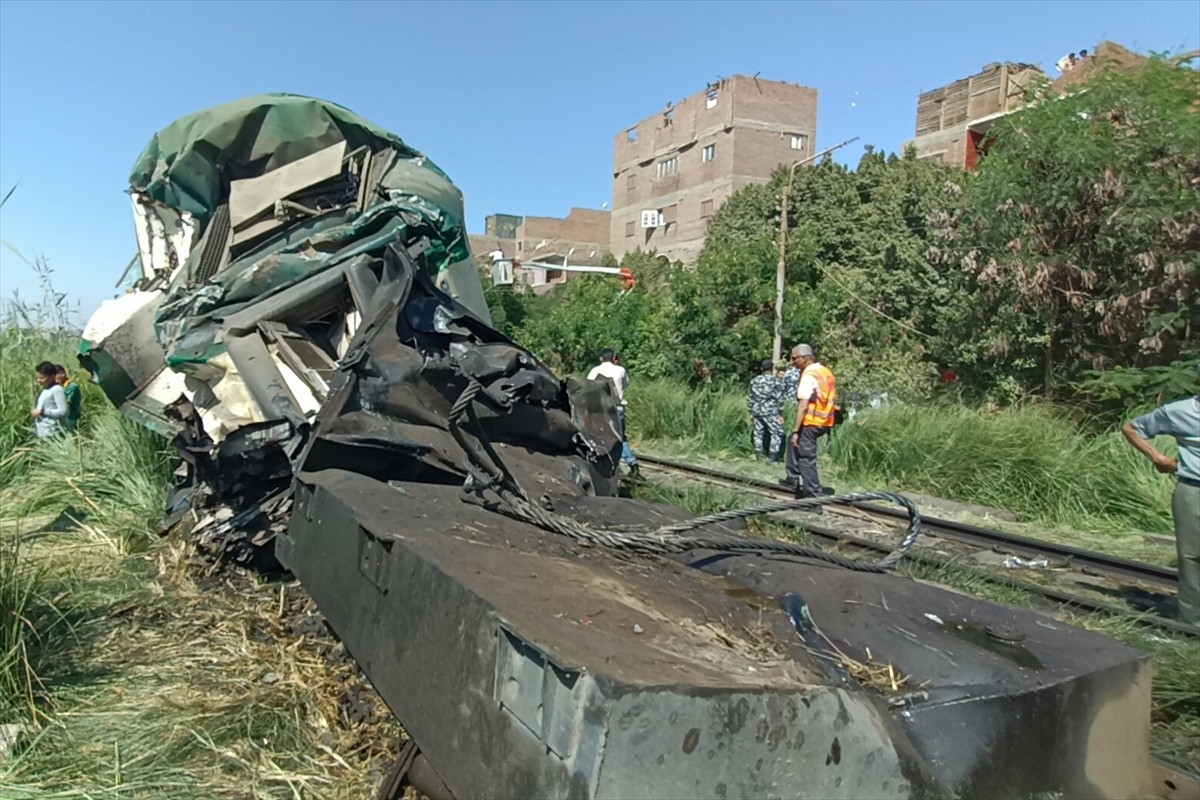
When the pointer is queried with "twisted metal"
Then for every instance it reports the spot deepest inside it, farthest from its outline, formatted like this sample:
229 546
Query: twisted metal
667 539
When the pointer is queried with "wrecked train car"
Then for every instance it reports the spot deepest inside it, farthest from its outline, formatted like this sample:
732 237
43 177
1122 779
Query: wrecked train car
270 231
309 331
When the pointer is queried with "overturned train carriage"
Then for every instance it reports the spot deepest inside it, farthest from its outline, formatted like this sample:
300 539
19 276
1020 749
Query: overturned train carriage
309 331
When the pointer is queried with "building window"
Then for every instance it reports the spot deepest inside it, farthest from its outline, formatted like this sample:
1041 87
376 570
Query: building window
668 167
555 276
629 184
706 208
709 152
631 135
710 100
629 229
800 141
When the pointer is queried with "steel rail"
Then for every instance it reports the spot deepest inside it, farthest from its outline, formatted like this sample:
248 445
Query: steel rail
832 535
1083 560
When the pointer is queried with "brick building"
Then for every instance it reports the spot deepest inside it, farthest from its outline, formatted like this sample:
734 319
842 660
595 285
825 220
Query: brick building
953 119
673 170
580 238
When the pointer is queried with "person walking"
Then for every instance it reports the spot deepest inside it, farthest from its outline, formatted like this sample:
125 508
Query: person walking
1181 420
51 409
610 369
816 400
74 397
765 403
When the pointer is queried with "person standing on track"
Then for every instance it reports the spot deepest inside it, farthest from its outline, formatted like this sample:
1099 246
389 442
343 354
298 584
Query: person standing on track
1181 420
816 400
610 369
765 403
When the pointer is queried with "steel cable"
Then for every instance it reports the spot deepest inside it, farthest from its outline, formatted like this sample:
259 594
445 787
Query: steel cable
668 538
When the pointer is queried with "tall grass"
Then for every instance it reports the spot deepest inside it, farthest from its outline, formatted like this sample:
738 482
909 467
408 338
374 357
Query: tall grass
1034 459
18 582
715 418
109 480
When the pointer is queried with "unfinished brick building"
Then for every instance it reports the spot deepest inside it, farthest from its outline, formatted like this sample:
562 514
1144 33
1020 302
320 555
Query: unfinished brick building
673 170
953 119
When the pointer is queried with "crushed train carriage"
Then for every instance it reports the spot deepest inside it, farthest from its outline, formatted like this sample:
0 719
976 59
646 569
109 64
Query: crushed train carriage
309 330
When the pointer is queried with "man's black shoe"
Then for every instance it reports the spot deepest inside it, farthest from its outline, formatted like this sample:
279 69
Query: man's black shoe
635 472
787 483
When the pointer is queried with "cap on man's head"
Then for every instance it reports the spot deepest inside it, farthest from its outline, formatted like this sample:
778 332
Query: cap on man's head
767 365
803 350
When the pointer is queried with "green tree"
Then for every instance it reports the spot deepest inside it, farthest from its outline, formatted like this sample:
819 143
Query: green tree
1077 243
585 315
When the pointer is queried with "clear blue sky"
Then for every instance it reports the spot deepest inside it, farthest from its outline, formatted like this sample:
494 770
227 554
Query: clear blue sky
518 102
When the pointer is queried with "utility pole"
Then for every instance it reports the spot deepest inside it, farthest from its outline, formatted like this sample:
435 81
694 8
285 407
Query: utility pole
781 270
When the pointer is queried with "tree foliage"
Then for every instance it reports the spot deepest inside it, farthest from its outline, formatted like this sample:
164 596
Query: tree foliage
1078 238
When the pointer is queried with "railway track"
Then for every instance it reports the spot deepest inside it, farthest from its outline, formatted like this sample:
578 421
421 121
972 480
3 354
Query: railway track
1127 572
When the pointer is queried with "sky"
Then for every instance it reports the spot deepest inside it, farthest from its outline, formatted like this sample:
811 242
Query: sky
518 102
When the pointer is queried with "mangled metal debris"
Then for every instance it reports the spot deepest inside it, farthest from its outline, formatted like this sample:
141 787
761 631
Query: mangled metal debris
261 229
310 332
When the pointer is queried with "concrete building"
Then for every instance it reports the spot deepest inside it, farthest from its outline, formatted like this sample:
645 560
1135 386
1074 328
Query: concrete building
953 119
673 170
580 239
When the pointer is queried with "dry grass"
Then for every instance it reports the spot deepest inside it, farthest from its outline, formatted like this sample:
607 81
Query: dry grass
165 688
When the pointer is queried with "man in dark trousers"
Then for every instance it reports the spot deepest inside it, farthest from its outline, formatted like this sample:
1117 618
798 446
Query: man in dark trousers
816 408
765 402
1181 421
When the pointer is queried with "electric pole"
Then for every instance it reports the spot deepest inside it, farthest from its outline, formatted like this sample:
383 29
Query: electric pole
781 271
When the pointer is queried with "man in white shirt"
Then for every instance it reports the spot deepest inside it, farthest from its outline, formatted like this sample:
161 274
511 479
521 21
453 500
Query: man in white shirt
610 369
51 410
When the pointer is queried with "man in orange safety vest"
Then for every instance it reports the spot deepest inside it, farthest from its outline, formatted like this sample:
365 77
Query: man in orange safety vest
816 409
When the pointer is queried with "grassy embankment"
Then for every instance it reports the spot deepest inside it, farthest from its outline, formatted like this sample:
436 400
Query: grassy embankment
128 677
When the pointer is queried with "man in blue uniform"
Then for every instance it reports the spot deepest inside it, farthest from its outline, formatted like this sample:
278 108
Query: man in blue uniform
765 402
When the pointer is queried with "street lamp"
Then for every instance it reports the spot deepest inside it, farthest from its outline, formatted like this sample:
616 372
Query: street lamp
781 270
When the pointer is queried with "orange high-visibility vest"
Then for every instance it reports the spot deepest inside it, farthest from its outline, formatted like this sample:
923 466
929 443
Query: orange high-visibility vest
819 412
